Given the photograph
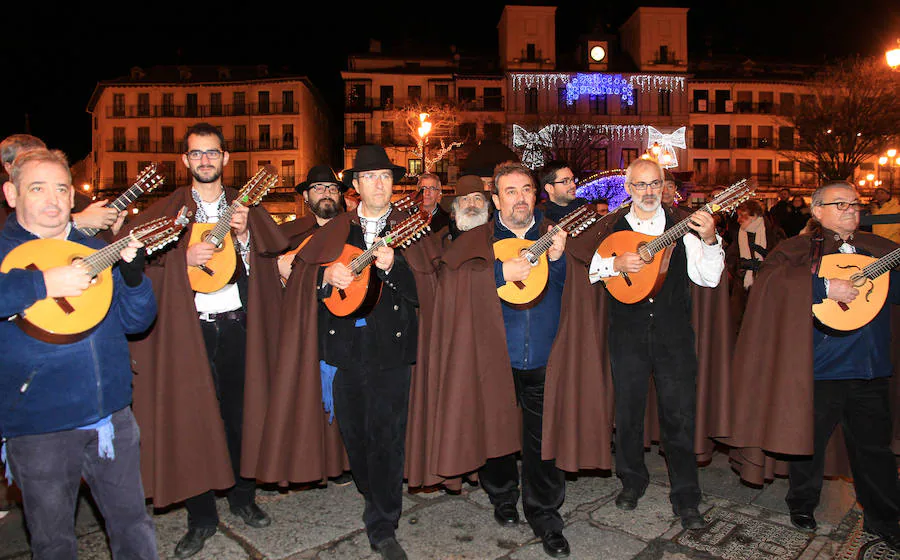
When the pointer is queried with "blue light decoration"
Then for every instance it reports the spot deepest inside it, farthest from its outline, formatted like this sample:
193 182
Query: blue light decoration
605 184
599 84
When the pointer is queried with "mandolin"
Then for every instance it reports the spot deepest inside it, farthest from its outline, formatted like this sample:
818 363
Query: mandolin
217 271
359 298
868 276
656 251
528 292
146 181
69 319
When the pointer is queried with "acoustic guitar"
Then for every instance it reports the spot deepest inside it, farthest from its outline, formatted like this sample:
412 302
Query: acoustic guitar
868 276
656 251
146 181
69 319
217 271
528 292
359 298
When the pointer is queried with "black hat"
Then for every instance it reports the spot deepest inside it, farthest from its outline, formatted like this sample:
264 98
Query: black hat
369 158
320 174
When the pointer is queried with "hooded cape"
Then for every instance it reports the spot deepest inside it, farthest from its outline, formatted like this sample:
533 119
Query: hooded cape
578 401
183 445
773 363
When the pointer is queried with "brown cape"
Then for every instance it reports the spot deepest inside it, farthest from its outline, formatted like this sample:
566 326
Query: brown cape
299 445
578 402
772 404
183 447
298 230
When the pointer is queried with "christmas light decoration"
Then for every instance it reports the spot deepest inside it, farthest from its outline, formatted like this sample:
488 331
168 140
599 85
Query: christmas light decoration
643 82
657 82
609 185
666 144
534 144
599 84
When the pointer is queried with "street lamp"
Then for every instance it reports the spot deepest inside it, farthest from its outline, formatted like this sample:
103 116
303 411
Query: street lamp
424 129
893 57
889 159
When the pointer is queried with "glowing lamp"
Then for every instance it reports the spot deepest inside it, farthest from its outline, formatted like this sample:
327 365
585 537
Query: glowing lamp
882 160
892 152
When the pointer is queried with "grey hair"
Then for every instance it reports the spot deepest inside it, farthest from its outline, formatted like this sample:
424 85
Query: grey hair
509 168
640 163
454 204
41 155
12 145
429 176
819 195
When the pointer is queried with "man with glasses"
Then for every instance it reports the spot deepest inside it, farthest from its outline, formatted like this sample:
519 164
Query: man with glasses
431 197
560 183
202 369
797 379
656 336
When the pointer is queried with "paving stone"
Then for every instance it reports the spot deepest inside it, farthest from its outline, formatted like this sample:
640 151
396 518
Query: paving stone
588 542
718 479
481 498
171 526
586 490
652 518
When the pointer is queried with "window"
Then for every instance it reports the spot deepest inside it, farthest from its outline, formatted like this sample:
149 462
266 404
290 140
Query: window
786 137
387 132
723 171
598 105
531 100
288 170
414 93
387 96
359 132
493 99
562 103
442 92
215 104
239 103
241 175
287 101
744 102
120 173
786 172
627 109
701 170
723 97
786 105
143 139
701 136
118 139
767 102
701 100
265 138
665 103
530 52
240 138
628 155
766 137
287 137
494 131
743 140
807 100
764 170
167 170
263 106
742 167
167 137
118 105
168 105
465 95
441 168
415 166
356 97
663 54
143 108
190 105
467 131
722 140
598 159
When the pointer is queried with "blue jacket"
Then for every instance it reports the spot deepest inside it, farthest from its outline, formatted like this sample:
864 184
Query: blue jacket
530 332
54 387
861 354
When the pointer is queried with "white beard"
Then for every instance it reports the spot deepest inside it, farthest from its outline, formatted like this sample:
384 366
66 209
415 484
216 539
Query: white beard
471 217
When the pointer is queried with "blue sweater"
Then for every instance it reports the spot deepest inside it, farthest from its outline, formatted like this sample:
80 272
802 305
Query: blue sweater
530 332
54 387
861 354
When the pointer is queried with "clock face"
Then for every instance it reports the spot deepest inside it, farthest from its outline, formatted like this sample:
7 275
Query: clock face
598 53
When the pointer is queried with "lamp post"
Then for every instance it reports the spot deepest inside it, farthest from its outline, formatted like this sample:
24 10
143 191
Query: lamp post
889 160
893 57
424 129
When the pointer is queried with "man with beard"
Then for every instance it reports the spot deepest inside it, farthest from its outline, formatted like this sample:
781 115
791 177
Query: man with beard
322 193
431 197
201 384
656 336
560 183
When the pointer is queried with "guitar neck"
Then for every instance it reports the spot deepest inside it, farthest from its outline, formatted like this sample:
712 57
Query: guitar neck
107 256
882 265
368 256
223 226
672 234
120 203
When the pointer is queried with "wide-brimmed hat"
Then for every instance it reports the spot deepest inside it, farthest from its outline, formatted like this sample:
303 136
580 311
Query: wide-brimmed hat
320 174
369 158
466 185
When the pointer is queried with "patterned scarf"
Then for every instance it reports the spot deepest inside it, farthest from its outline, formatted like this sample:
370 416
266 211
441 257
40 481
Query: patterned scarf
200 217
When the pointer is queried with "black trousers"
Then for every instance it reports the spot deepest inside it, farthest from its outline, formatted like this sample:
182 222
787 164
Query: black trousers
371 407
863 409
636 351
543 485
226 342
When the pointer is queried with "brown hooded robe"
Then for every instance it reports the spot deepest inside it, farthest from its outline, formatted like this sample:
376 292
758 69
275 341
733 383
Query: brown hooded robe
183 447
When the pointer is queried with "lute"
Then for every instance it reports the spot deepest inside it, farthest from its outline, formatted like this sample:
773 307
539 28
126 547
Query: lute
868 276
146 181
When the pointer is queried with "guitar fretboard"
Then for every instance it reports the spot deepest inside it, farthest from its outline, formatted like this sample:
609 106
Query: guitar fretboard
107 256
581 216
882 265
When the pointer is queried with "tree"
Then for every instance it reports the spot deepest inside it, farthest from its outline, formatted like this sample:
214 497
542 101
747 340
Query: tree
436 122
852 112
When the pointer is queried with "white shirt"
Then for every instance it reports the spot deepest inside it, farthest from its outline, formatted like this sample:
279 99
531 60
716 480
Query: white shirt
705 263
227 298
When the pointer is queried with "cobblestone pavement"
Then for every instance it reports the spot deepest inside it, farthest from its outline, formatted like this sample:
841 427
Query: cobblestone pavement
325 523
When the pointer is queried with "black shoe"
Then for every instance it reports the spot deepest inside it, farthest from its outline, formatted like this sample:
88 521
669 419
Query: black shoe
252 515
555 544
627 499
890 536
342 480
390 549
192 542
691 518
803 521
506 514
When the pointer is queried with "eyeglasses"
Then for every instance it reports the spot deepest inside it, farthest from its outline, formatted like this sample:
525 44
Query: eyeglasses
567 181
320 189
385 176
197 155
432 188
843 205
642 186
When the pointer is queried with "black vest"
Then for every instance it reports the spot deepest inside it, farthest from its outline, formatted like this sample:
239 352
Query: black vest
671 307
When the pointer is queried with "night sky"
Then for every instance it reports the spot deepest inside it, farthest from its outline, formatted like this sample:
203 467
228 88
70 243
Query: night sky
52 63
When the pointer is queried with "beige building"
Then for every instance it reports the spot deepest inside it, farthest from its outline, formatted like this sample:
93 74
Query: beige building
266 118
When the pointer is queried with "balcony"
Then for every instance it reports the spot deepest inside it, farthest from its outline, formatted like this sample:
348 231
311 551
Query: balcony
478 104
742 143
739 107
239 145
201 111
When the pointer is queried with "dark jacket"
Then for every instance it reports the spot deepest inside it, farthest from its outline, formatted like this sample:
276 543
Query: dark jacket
555 212
54 387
